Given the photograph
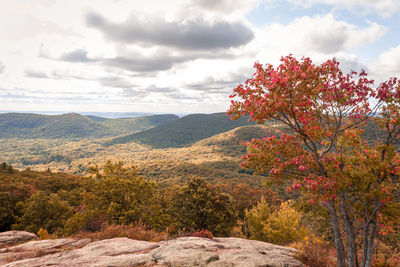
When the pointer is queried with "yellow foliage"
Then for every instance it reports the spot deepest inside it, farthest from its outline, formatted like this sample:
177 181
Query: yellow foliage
238 230
257 218
43 234
282 226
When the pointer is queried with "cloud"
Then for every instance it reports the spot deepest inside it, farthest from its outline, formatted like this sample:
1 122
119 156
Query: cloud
156 89
2 68
23 26
183 96
194 34
185 54
79 55
136 61
55 74
213 85
138 91
225 6
133 93
144 64
385 8
26 95
388 64
320 35
115 81
35 74
132 61
328 35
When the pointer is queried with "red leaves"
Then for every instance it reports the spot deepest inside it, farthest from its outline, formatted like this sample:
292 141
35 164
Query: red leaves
326 155
302 168
299 92
324 109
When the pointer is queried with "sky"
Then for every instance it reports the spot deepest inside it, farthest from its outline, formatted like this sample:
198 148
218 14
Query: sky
177 56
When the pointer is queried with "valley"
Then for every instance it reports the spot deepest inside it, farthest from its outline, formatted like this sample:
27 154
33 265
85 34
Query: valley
167 149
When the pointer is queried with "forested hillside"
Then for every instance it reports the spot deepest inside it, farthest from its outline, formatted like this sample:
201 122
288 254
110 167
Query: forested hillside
217 158
187 130
72 125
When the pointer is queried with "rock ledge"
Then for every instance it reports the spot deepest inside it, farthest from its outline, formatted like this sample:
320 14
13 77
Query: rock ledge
185 251
13 237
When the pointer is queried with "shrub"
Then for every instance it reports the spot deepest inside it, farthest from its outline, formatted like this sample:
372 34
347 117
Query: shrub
386 256
282 226
139 231
43 234
314 252
203 233
43 211
257 218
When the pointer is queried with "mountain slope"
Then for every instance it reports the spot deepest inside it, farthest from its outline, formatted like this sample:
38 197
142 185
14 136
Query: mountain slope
131 125
72 125
20 124
96 118
184 131
232 143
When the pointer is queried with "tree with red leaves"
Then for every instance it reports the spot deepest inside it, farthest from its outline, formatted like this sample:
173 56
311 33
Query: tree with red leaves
326 155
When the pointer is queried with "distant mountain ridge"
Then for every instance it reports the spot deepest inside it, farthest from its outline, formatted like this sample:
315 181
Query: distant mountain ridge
184 131
73 125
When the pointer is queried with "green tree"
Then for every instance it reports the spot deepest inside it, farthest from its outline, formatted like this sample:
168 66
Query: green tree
43 211
6 212
257 218
200 206
6 168
116 195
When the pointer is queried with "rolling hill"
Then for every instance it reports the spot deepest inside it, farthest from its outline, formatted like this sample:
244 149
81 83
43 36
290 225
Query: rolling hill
184 131
217 157
131 125
73 125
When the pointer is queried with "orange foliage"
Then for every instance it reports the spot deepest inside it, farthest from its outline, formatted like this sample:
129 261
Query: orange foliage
203 233
139 231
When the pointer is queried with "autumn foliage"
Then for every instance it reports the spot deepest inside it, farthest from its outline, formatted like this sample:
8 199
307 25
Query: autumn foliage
325 154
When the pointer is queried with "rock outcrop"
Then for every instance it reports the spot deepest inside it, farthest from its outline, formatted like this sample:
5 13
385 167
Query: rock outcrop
13 237
185 251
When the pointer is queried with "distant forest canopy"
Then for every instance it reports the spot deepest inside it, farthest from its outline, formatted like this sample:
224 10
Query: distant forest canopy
106 115
73 125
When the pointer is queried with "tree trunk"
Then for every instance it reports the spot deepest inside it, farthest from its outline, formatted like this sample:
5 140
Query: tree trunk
370 251
351 240
369 235
365 243
341 257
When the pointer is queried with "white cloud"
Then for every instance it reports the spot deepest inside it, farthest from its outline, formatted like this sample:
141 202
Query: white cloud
196 34
388 64
319 37
225 6
171 62
2 68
